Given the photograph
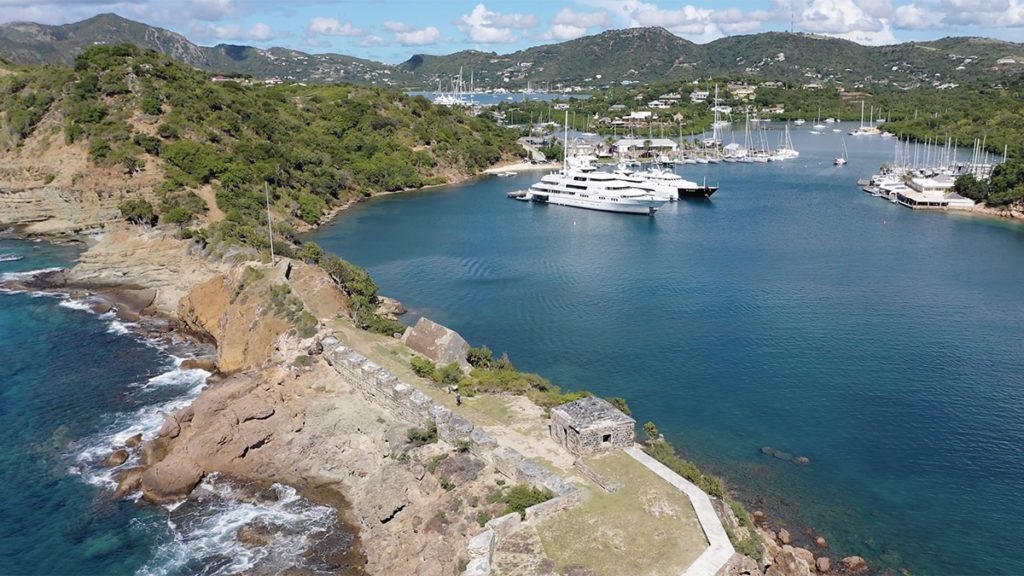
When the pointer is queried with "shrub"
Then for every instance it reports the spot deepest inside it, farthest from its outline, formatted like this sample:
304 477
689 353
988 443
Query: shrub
450 375
311 253
422 367
520 497
422 436
621 404
138 211
480 357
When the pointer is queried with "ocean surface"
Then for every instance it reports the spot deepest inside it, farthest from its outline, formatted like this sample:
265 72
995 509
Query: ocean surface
76 385
791 310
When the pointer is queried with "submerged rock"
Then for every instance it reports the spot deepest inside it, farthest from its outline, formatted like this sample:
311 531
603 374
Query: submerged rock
855 564
254 535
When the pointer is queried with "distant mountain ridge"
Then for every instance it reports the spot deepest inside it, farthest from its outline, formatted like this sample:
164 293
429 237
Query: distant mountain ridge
611 57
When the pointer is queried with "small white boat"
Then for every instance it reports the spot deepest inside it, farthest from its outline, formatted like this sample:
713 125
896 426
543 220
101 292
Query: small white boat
841 160
11 257
837 130
507 174
799 121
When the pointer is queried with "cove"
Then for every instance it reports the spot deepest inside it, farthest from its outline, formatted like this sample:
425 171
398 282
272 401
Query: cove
792 310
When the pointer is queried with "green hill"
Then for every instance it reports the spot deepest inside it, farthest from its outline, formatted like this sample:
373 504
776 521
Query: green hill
609 58
316 147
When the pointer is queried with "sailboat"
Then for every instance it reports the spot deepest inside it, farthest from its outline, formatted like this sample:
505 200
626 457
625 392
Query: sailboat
817 124
865 130
841 160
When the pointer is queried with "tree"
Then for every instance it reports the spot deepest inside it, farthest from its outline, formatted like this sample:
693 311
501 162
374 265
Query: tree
651 431
138 211
450 375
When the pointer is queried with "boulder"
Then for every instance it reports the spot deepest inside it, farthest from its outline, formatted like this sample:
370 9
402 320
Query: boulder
855 564
134 441
785 537
389 307
740 565
100 306
801 460
805 555
758 516
128 481
787 563
116 458
439 344
170 480
823 565
171 428
208 363
821 542
153 451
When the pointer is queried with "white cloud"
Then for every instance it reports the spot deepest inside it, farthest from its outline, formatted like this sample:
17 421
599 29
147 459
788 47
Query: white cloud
569 17
396 26
563 32
913 17
333 27
986 13
258 32
373 41
486 27
424 37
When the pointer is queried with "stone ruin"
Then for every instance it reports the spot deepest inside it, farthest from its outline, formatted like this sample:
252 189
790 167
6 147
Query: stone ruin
590 426
440 344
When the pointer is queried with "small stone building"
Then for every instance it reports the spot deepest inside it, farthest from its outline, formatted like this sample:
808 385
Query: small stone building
591 425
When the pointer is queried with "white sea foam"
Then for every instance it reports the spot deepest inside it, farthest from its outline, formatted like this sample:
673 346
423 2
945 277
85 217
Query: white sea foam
75 305
145 420
205 532
28 274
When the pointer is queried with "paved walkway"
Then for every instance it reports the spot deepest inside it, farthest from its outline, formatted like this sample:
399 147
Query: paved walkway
720 550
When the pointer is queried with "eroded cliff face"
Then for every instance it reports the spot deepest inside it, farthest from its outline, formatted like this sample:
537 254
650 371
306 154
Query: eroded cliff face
50 187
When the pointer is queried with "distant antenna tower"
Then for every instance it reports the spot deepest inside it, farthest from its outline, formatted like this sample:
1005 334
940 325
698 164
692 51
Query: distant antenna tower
792 18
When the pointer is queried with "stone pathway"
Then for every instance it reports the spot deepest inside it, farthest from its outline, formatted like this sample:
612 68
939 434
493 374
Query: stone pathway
720 550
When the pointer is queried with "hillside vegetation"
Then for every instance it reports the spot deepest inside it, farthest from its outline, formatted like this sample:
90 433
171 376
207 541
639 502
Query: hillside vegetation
313 147
605 59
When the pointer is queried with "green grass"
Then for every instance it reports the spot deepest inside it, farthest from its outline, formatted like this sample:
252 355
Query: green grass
646 527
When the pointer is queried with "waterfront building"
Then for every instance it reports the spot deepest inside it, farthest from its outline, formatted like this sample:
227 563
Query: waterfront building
591 425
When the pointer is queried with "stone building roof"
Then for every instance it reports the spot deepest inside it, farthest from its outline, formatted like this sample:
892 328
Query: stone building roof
592 412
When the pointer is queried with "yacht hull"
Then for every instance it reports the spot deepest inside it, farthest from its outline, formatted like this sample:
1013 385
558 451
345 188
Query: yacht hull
700 192
642 207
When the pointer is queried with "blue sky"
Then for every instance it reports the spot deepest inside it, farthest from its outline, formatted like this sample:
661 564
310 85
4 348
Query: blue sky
392 30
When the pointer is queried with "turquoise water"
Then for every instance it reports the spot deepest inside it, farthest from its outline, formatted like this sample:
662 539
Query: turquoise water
75 386
792 310
64 371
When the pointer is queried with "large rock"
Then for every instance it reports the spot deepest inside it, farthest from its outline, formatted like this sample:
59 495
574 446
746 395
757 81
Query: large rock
440 344
170 480
785 537
788 563
389 307
129 481
116 458
823 564
855 564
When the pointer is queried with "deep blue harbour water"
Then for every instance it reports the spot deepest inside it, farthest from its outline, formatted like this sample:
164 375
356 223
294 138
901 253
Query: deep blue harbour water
792 310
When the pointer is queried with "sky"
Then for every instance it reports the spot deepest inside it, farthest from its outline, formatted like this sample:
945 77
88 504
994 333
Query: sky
393 30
